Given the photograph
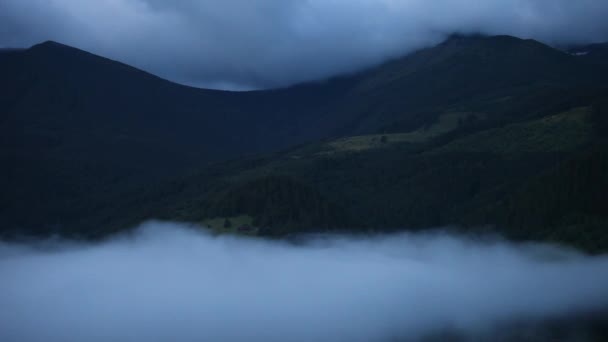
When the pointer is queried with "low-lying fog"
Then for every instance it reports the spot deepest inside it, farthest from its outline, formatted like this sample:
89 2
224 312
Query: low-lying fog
168 282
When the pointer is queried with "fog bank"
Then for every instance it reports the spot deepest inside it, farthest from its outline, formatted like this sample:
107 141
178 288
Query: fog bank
167 282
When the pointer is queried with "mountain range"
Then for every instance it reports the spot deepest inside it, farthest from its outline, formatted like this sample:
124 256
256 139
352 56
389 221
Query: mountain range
480 133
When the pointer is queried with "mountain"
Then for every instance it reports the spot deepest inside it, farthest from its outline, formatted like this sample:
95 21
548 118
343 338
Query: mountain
470 72
444 135
73 124
541 179
68 92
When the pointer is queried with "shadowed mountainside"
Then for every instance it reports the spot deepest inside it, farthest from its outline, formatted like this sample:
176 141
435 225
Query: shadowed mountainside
429 139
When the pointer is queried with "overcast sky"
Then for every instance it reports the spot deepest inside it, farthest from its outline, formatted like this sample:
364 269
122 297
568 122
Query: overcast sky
269 43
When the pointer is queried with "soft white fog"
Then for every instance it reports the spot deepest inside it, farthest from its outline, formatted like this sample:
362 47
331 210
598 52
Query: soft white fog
167 282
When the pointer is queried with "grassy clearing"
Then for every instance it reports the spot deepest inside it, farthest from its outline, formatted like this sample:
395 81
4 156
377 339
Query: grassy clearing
561 132
368 142
447 122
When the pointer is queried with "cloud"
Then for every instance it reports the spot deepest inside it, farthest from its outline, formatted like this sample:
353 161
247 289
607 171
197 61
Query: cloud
269 43
168 282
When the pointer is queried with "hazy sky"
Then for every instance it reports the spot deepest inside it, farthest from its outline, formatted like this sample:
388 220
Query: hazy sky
267 43
168 283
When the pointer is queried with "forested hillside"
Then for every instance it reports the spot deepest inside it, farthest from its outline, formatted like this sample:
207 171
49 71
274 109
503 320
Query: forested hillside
543 179
476 131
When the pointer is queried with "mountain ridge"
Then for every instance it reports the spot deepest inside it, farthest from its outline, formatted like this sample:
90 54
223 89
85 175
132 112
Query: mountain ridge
80 134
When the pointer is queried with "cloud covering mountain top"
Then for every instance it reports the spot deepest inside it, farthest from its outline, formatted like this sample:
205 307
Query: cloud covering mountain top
270 43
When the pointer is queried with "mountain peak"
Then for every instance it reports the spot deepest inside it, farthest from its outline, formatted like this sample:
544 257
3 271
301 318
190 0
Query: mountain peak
51 45
52 50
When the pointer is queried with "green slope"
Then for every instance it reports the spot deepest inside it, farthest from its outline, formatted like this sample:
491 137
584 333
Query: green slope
561 132
523 178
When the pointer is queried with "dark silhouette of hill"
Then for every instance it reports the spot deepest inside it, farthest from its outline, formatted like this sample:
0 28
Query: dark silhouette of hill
80 134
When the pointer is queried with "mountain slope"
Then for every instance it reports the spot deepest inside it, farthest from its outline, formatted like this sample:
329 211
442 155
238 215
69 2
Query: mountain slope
80 133
71 91
73 124
541 179
503 76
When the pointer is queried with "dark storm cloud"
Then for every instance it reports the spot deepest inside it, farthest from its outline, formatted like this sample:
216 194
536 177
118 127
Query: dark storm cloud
263 43
168 283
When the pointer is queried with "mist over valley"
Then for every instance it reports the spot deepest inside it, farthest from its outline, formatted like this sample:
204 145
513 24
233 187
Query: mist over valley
169 281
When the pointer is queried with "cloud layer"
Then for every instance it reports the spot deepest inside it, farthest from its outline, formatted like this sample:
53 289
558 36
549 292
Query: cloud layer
166 282
269 43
